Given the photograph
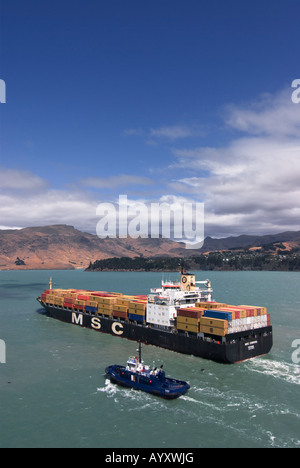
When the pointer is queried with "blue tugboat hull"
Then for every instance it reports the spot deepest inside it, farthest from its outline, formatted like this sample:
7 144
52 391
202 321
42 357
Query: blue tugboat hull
165 388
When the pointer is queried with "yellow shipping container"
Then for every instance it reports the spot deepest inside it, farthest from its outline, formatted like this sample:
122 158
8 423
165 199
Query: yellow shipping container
214 330
123 302
259 310
105 306
105 311
95 299
107 300
91 303
210 322
120 308
138 306
188 328
58 298
188 320
79 302
132 310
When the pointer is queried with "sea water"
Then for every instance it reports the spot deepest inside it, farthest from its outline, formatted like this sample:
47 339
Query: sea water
54 392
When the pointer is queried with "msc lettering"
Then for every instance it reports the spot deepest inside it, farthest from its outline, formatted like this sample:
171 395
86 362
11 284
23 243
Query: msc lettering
116 327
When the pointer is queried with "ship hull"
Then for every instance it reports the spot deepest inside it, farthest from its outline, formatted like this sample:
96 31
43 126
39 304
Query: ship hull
169 389
235 348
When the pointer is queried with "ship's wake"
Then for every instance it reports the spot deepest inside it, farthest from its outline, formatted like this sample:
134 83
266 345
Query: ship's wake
282 370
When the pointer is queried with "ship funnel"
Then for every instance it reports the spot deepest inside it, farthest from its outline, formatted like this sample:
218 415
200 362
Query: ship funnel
188 282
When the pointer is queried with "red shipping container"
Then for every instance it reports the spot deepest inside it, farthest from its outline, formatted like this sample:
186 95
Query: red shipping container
79 307
117 313
189 312
70 300
81 297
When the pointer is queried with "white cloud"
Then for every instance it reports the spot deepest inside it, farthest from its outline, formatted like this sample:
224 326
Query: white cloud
274 115
249 186
48 207
16 179
252 184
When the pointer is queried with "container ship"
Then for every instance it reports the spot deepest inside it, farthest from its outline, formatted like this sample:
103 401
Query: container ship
179 316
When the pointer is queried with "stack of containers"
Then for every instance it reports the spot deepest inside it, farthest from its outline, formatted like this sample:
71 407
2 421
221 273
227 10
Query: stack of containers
80 302
120 311
233 319
137 311
91 306
121 308
188 319
68 302
215 322
104 301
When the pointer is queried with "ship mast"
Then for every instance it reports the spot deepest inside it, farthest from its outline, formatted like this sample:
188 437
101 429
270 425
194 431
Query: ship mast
140 352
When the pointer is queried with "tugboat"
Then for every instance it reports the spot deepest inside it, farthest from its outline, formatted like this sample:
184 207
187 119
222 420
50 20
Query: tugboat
138 376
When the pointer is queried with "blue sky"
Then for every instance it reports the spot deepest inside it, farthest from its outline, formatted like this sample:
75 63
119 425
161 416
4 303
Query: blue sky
182 99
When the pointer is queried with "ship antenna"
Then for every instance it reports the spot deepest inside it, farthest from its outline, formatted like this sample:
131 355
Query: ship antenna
50 283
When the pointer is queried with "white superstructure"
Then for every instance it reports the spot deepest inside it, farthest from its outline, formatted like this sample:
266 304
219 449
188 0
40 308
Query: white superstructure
164 302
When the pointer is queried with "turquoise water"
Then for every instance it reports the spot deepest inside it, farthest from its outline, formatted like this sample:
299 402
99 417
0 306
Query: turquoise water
53 391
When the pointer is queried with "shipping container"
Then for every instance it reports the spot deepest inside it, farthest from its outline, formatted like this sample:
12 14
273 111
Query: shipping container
218 314
188 327
137 308
120 308
123 302
188 320
213 330
136 317
213 322
105 311
119 314
69 299
92 304
82 297
190 312
259 310
138 305
90 309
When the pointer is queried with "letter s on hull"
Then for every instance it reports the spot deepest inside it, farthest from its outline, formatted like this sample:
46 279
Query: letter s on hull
96 324
117 328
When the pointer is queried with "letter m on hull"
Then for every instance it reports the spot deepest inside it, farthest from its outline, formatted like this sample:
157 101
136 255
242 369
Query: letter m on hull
77 319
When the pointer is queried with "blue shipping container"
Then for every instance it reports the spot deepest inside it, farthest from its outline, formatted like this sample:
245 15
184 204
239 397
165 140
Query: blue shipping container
137 318
218 314
93 310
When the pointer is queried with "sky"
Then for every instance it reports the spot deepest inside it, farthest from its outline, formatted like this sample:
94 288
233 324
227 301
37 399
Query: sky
160 100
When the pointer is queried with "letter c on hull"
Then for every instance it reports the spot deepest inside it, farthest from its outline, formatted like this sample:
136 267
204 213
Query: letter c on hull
117 328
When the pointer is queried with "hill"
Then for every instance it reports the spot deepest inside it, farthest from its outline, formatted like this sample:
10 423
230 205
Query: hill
64 247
